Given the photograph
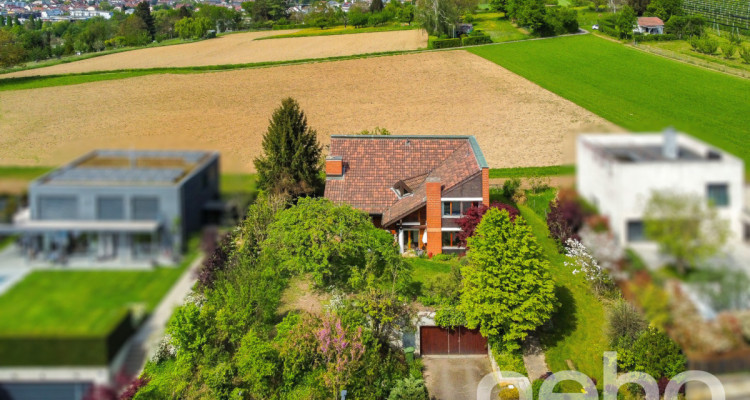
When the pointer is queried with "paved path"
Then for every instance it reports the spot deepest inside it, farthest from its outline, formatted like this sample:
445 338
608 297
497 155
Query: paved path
454 377
145 341
534 359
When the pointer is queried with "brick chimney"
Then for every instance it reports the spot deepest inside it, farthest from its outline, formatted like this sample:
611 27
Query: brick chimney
334 166
486 186
434 216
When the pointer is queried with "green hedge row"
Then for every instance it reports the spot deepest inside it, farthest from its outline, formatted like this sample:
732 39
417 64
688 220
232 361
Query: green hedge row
446 43
290 26
474 40
655 38
67 351
458 42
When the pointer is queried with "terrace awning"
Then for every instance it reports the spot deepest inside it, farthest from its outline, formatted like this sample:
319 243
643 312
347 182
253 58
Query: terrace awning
24 224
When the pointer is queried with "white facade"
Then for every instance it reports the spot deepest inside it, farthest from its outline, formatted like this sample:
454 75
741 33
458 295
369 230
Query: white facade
618 173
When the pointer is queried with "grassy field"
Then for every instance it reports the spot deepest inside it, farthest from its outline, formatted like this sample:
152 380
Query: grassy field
499 28
82 303
523 172
638 91
24 173
342 30
579 326
683 48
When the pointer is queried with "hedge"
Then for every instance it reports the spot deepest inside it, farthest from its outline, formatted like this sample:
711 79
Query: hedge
446 43
290 26
656 38
474 40
65 351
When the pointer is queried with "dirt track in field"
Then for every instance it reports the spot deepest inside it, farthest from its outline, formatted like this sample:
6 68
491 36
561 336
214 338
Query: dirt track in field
516 122
242 48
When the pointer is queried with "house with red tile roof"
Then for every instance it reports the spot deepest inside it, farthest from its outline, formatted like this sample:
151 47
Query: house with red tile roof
650 25
414 186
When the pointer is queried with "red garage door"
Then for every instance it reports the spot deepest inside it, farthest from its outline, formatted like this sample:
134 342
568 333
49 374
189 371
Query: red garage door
461 340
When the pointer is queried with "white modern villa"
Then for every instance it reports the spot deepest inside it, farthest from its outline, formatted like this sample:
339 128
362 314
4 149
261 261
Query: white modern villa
618 173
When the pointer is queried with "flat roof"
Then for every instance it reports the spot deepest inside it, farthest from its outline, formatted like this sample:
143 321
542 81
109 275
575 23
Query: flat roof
128 167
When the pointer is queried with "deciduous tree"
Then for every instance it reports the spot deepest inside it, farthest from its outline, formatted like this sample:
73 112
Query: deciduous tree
468 223
291 160
507 289
684 227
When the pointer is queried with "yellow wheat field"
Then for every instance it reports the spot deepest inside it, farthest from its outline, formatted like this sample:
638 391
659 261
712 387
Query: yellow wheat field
242 48
516 122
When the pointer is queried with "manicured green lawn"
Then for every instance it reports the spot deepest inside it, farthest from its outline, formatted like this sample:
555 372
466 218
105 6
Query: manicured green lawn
499 28
578 330
82 303
238 183
341 30
636 90
523 172
424 269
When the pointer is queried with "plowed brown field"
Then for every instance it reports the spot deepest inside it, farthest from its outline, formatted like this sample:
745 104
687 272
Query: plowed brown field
516 122
242 48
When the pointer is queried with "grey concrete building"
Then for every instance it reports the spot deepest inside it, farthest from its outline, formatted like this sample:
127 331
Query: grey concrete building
120 206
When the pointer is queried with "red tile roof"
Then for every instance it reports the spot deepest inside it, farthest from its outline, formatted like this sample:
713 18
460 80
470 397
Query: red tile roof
374 164
650 21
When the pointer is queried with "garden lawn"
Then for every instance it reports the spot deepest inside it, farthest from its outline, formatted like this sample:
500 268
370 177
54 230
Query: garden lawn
498 27
424 269
82 303
636 90
578 330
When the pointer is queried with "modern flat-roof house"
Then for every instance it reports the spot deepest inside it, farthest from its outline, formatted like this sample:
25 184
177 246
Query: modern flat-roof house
618 173
119 205
413 186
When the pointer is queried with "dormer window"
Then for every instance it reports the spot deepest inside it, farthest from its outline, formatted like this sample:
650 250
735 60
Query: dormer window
402 189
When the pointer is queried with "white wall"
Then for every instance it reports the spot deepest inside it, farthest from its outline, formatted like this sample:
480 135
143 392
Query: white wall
621 189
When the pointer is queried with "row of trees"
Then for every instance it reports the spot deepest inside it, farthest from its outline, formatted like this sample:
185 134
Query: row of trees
35 40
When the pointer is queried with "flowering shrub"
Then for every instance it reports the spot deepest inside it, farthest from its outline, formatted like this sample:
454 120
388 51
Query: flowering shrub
581 260
341 351
564 220
603 247
134 386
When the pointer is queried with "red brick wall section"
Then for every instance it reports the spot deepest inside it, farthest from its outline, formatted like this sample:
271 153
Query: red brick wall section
434 217
334 167
486 186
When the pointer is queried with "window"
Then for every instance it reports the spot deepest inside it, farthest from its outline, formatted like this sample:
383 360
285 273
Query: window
110 208
58 207
636 231
718 194
450 239
145 208
451 208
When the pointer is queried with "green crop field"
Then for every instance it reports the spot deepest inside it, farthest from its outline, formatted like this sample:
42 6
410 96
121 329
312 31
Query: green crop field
636 90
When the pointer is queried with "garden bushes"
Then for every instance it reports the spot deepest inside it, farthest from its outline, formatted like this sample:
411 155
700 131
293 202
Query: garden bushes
446 43
656 38
470 40
475 40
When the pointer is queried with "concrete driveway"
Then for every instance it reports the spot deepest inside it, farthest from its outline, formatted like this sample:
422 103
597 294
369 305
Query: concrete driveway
454 377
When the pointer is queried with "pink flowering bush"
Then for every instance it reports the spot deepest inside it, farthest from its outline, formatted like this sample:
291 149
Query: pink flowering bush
341 351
